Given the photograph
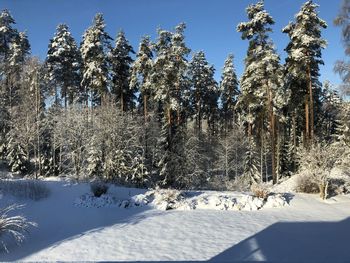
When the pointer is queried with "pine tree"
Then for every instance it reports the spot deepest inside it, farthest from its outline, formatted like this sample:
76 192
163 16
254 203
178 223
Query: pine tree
229 92
141 72
302 65
94 161
204 92
262 96
169 76
121 71
17 159
251 166
14 49
63 64
94 50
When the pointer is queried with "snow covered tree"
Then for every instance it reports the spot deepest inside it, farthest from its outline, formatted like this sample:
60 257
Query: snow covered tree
343 129
231 151
17 159
14 49
169 76
94 49
63 64
318 162
141 72
94 159
121 71
302 65
204 91
229 92
262 97
342 66
251 164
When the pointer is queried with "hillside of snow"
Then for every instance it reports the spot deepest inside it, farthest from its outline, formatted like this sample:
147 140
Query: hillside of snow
72 226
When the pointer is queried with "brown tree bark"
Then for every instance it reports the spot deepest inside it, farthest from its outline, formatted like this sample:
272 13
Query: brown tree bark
311 106
307 123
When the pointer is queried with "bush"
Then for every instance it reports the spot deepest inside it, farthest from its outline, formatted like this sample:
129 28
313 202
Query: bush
168 198
14 227
26 189
307 184
260 190
98 188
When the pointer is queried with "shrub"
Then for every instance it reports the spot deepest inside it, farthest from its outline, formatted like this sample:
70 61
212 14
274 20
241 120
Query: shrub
98 188
169 198
14 227
26 189
260 190
317 162
307 184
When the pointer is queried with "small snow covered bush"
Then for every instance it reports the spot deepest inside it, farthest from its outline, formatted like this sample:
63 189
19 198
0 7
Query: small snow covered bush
26 189
260 190
166 199
14 227
98 188
306 184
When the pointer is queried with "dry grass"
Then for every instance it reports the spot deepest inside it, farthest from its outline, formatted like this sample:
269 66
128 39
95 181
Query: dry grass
260 190
14 227
25 189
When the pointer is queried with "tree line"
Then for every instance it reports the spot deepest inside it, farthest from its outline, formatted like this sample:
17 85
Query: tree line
156 117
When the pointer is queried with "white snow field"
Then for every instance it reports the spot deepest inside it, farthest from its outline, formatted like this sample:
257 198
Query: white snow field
307 230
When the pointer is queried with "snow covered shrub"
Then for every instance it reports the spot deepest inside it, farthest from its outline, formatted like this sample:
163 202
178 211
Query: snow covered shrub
260 190
306 184
98 188
14 227
26 189
317 163
166 199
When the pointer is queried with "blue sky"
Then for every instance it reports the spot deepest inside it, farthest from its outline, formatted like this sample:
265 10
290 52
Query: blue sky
211 24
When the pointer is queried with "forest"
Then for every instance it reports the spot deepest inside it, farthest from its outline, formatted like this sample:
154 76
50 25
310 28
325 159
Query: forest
157 117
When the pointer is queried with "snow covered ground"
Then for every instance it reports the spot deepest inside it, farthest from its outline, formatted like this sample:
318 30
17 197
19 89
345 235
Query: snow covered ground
306 230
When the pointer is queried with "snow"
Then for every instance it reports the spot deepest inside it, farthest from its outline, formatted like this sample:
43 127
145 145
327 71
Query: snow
308 229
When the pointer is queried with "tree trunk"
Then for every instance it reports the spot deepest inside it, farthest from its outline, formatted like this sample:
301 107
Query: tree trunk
307 123
311 106
145 107
121 101
273 148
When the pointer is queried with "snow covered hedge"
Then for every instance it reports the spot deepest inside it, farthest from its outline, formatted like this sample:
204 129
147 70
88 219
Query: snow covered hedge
168 199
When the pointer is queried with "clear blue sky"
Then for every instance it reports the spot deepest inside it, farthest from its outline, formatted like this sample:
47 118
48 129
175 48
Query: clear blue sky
211 24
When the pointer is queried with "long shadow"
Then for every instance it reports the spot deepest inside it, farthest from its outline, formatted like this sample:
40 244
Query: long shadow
59 220
294 242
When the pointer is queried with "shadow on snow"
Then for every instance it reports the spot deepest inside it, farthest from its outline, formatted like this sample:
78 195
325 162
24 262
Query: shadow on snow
293 242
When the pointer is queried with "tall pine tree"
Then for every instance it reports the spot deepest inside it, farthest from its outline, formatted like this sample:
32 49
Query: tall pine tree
302 66
94 50
63 64
229 92
121 71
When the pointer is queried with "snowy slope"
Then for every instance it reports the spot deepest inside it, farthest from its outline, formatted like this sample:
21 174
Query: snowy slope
308 229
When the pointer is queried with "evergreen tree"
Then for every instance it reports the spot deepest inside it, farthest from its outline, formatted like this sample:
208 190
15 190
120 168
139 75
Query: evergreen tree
262 96
302 65
169 76
141 72
63 64
14 49
229 92
204 92
251 164
94 50
121 71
